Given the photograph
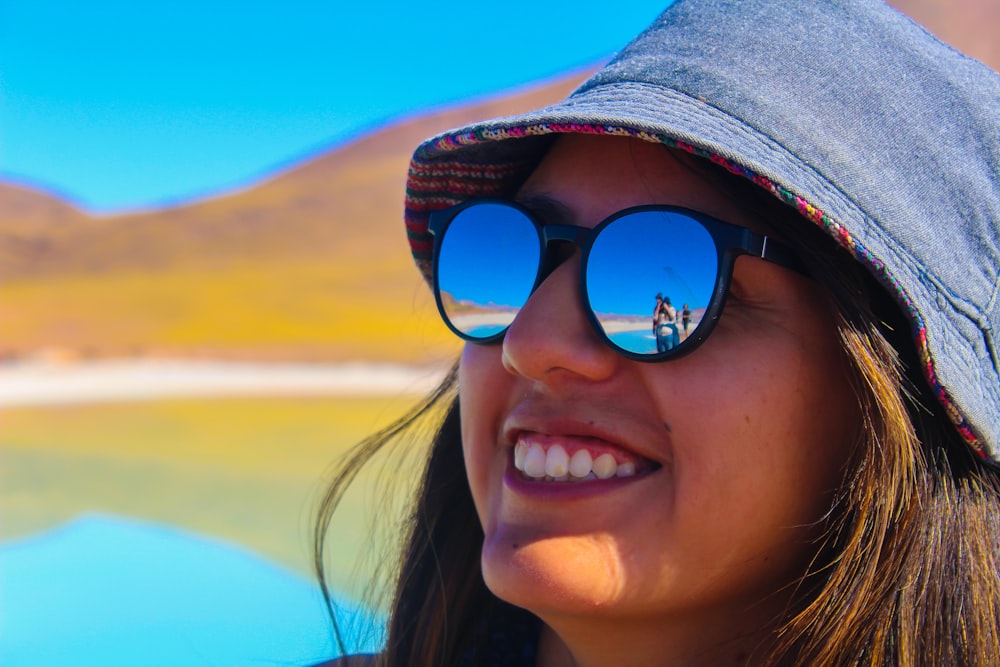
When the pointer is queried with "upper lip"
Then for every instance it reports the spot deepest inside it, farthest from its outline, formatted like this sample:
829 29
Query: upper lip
555 421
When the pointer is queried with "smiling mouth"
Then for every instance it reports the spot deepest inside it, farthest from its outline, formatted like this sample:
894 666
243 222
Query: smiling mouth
539 459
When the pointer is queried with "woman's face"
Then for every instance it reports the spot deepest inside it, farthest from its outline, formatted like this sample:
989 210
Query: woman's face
737 446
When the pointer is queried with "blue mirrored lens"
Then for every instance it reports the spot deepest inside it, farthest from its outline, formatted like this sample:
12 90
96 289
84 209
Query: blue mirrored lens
639 257
486 267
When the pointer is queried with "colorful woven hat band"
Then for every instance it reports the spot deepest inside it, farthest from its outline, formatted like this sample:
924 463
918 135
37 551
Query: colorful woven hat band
439 183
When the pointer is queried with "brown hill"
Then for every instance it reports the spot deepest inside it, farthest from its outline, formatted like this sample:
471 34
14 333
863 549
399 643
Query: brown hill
343 201
312 263
971 26
309 264
325 198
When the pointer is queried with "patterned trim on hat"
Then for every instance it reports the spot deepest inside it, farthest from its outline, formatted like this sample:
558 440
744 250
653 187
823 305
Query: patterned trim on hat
433 185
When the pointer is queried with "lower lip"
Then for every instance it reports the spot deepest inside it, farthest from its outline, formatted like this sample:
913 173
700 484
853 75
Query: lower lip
514 480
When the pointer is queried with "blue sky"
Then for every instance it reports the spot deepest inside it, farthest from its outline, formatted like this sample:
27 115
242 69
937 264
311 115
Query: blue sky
120 105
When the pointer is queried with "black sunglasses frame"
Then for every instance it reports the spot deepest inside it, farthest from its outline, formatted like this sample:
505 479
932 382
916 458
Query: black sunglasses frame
731 241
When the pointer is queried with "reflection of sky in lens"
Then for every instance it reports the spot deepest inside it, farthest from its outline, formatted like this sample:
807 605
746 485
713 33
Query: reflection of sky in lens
490 256
648 253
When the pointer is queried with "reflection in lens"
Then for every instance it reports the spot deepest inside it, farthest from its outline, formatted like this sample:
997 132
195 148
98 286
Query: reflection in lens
644 271
486 267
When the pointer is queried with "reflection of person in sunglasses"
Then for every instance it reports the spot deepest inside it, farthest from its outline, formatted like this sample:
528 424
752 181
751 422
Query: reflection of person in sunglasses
811 476
663 324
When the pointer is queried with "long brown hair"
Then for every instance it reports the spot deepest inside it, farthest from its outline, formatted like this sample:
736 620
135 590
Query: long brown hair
907 568
909 562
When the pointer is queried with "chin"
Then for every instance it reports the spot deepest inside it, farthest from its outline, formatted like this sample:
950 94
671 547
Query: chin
560 574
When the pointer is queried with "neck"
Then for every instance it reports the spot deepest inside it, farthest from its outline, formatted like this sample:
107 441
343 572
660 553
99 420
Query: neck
688 642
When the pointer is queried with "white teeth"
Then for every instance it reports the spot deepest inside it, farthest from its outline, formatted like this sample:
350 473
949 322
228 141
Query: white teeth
605 466
556 462
626 469
534 461
520 451
556 465
579 465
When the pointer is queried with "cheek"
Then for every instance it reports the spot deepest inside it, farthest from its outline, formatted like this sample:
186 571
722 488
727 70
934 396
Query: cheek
829 419
483 393
762 433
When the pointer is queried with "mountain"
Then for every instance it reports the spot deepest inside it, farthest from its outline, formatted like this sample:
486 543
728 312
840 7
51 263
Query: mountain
310 264
969 25
349 197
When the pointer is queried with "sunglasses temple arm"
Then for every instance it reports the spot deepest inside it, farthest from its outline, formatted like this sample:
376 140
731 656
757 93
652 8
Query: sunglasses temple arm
777 253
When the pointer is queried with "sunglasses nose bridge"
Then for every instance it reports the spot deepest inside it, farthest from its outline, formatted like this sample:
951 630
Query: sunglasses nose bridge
558 243
565 233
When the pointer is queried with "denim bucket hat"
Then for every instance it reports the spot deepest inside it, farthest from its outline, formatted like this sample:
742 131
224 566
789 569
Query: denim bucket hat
847 110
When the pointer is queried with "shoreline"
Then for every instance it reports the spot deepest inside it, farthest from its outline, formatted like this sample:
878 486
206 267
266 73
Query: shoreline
40 383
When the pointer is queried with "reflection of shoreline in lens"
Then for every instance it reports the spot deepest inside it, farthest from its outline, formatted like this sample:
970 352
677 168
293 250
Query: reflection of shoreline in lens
612 327
482 323
631 333
479 320
637 336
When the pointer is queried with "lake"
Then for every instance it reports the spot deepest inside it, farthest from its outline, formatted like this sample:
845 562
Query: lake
106 590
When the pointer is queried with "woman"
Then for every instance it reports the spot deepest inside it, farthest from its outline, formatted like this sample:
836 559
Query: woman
663 324
811 476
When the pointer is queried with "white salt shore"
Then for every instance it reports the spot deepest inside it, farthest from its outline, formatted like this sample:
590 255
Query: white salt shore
41 383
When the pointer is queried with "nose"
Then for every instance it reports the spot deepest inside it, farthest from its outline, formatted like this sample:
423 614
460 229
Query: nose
552 339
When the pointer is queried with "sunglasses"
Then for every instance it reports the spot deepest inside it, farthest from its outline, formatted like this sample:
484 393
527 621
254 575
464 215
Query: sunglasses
653 278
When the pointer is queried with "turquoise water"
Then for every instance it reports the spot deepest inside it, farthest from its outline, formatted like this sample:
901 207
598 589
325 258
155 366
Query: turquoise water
103 590
638 341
